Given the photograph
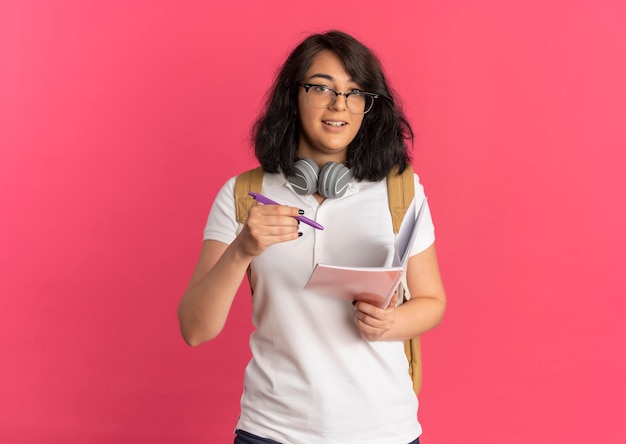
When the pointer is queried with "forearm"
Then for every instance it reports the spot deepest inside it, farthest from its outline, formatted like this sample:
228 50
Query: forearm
425 309
204 307
415 317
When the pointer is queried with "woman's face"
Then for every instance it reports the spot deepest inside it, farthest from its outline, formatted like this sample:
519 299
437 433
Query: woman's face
326 132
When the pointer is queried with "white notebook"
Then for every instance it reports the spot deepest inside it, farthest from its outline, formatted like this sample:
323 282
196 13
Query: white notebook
375 285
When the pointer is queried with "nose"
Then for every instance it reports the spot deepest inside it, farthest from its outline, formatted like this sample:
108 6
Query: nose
339 104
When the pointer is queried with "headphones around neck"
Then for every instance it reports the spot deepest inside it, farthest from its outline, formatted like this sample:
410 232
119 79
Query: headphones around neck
330 181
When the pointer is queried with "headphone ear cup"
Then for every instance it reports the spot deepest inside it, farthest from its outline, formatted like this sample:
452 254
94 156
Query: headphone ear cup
333 180
304 181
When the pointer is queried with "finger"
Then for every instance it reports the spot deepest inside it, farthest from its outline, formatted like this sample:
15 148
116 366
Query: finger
370 309
371 321
271 215
277 210
265 227
368 332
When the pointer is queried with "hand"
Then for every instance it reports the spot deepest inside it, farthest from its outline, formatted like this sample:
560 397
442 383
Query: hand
373 322
267 225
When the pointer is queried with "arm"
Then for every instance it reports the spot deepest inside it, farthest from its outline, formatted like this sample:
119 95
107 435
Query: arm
421 313
205 305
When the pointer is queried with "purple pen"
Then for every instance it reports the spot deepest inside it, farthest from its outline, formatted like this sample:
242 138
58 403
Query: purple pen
264 200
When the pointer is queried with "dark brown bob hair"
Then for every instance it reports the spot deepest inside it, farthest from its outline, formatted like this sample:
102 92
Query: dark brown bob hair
381 143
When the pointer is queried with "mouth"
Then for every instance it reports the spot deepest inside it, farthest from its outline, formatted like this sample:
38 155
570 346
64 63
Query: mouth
334 123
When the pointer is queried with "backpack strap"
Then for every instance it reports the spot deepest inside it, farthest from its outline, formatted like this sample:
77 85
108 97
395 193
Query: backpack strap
400 193
251 180
413 352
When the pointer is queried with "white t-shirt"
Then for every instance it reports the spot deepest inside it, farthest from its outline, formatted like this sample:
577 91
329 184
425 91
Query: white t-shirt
312 378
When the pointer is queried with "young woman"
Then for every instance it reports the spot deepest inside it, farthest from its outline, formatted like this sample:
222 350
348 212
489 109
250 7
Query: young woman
323 370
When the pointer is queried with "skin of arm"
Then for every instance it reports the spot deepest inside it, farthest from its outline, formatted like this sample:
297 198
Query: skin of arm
220 269
421 313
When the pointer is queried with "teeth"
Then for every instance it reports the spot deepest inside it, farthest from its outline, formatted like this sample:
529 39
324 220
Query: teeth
335 123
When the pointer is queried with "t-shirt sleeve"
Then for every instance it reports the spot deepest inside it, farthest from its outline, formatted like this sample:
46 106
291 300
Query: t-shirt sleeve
222 223
426 231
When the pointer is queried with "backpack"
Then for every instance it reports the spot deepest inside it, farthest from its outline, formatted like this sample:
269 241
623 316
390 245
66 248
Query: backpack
401 191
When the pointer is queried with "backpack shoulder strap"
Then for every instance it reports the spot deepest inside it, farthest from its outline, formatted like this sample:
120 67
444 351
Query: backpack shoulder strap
400 191
251 180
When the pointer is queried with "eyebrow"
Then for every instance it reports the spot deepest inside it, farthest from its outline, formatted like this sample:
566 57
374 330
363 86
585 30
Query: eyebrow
326 77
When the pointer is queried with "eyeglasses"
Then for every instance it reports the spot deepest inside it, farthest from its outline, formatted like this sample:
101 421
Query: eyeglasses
321 96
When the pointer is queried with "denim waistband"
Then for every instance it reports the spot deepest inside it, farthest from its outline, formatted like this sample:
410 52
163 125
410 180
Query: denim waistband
243 437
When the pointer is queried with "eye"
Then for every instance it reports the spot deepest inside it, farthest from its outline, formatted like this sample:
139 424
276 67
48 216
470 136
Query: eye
320 88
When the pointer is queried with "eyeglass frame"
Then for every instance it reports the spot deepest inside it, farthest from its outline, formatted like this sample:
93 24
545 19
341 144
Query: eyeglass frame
308 86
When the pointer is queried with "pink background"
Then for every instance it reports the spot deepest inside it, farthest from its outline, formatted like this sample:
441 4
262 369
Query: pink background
120 120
